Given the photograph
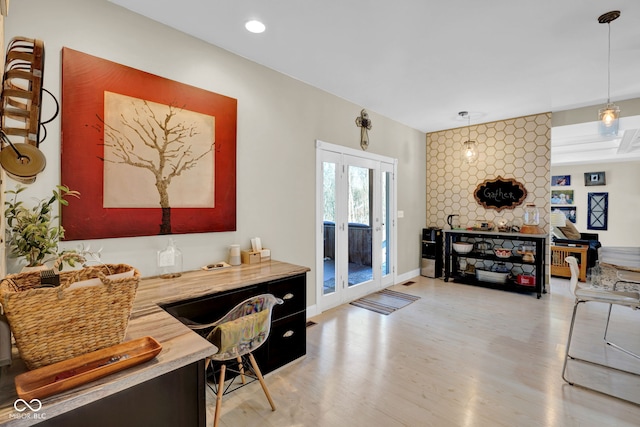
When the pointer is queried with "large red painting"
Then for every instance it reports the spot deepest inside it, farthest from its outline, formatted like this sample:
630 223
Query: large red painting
148 155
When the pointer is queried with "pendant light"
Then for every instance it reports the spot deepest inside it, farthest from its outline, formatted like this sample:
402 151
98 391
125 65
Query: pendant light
469 147
610 114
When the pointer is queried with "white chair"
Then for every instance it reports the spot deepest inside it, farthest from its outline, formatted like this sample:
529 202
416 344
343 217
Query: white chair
236 335
629 277
590 294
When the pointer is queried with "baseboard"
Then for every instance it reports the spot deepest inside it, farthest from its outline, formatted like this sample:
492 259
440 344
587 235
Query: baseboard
312 311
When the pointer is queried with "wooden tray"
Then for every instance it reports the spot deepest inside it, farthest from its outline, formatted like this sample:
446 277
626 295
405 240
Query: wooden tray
70 373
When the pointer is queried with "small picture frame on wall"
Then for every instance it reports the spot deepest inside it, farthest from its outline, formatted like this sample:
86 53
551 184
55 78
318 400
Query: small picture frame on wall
568 211
562 197
560 180
594 178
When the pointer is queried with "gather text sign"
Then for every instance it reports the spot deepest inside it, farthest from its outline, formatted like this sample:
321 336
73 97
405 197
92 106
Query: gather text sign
500 193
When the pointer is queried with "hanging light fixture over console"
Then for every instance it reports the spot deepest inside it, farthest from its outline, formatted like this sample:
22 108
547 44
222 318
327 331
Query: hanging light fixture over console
610 114
469 147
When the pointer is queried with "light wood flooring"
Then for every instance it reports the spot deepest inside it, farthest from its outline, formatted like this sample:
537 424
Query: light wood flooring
459 356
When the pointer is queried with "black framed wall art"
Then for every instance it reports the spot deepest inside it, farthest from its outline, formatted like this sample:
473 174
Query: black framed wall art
598 211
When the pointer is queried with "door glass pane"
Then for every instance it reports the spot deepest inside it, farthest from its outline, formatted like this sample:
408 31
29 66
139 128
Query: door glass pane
329 227
360 233
385 226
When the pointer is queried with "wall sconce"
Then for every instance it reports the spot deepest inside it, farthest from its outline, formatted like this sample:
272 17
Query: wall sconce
469 147
610 114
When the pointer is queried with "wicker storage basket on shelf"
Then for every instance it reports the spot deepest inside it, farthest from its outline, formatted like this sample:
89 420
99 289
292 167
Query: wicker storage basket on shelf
55 324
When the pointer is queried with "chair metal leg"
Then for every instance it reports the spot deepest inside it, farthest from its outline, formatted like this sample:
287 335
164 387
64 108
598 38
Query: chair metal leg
606 329
262 383
216 416
568 356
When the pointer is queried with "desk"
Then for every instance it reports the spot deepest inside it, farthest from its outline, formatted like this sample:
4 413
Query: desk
166 391
559 266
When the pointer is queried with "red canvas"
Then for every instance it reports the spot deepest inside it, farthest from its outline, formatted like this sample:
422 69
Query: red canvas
144 132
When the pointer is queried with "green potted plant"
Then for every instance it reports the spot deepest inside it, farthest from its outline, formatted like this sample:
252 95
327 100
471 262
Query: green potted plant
34 232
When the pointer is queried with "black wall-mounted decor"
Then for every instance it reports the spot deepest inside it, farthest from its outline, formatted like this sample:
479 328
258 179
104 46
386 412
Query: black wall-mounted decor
594 178
500 193
598 211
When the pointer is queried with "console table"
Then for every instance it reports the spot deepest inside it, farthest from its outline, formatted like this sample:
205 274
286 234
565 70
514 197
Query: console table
487 258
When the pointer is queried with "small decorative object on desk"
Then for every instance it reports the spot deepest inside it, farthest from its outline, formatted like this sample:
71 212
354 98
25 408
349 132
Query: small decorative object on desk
234 255
70 373
89 310
216 266
170 261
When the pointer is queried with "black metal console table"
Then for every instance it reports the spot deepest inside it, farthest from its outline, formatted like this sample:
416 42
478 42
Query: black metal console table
487 258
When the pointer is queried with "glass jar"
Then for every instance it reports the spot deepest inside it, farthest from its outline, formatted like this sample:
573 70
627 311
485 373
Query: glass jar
531 215
170 261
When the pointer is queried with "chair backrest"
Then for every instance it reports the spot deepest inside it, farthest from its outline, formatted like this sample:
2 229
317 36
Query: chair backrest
575 272
244 328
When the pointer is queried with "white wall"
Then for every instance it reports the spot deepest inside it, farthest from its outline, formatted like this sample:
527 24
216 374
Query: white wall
623 186
279 119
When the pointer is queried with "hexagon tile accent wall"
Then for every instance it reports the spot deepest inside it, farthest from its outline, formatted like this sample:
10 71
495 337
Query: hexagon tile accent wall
518 148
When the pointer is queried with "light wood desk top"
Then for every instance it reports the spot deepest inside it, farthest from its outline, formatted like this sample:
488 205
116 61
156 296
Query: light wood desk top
180 346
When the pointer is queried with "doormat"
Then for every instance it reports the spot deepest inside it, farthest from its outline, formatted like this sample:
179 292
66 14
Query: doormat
385 301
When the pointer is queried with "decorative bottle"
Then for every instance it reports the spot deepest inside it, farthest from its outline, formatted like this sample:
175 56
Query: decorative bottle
170 261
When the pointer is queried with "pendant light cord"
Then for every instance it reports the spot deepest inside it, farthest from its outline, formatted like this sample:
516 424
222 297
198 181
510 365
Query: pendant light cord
609 67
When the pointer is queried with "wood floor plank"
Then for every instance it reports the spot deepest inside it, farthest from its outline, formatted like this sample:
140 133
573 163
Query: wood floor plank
459 356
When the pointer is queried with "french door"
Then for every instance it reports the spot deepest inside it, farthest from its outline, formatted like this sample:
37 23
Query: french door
356 244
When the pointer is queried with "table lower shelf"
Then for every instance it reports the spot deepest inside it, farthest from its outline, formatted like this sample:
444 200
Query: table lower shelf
510 285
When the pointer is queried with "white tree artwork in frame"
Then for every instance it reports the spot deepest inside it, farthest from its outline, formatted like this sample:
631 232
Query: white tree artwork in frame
167 151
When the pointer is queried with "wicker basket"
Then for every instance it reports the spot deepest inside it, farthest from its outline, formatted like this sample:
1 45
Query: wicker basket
55 324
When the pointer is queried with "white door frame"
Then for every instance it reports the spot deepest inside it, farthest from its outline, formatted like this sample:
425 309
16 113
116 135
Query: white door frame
386 164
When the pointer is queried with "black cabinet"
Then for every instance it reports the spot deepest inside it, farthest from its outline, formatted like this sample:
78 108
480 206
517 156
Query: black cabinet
176 398
516 265
287 340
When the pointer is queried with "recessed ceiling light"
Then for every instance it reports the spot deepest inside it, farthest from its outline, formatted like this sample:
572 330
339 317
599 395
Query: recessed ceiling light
255 26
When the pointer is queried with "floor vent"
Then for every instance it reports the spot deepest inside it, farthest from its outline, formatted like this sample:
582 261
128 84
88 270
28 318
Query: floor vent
409 283
311 323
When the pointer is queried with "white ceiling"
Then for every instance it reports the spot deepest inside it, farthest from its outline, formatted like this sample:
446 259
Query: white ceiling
420 62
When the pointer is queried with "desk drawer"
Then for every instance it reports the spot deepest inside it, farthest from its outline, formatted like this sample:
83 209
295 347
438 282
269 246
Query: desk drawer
293 292
287 340
211 308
